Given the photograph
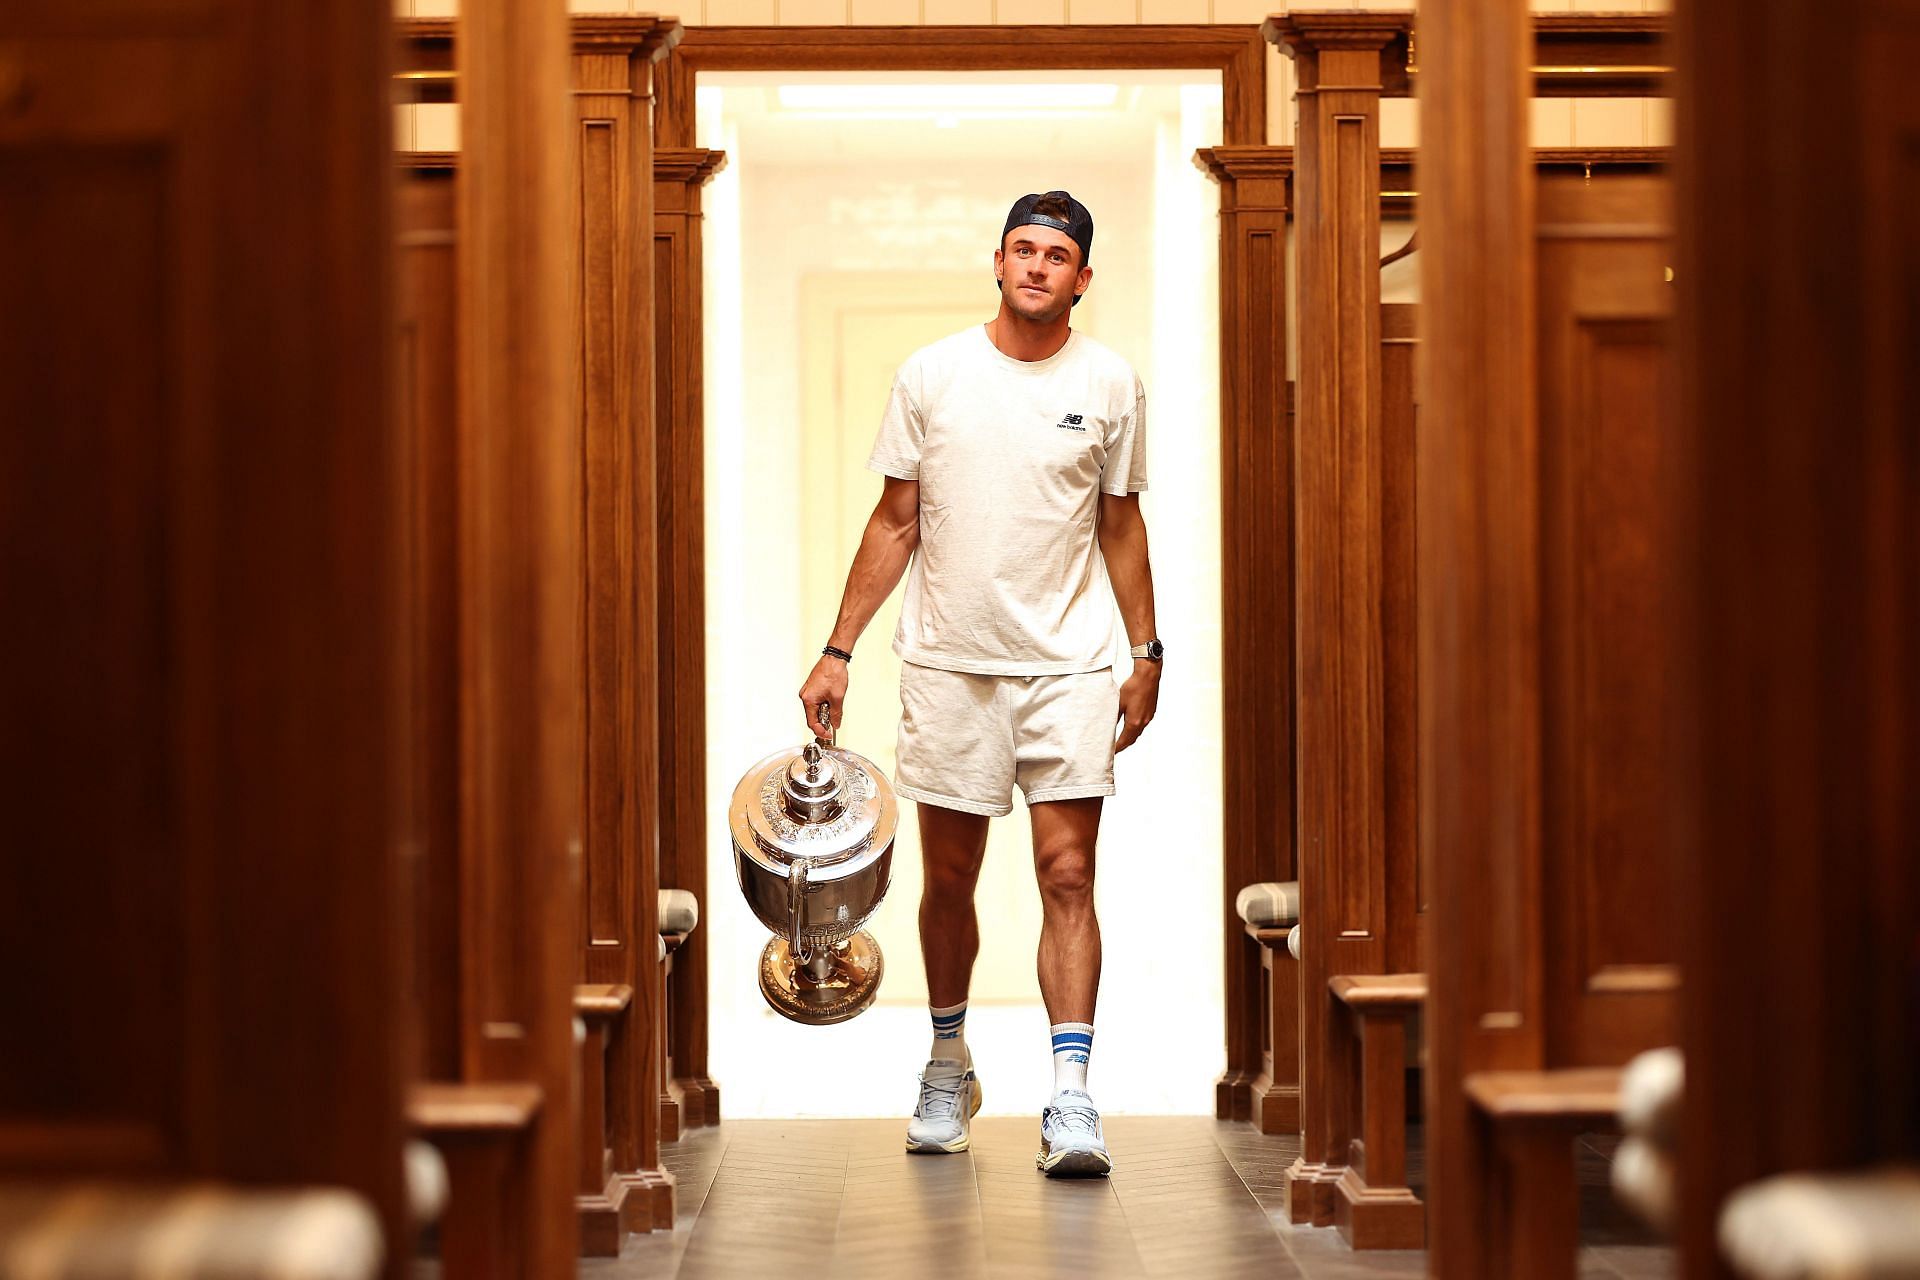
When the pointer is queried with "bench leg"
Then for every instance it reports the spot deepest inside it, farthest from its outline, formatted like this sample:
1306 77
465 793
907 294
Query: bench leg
1533 1202
1276 1091
599 1197
1375 1208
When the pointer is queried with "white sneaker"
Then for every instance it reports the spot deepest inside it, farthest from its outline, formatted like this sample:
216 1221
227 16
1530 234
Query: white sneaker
1071 1144
948 1100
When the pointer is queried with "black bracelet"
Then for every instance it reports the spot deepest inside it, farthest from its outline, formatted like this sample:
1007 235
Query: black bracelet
841 654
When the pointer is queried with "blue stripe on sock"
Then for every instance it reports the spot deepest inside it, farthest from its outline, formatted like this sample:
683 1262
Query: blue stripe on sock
953 1020
1072 1042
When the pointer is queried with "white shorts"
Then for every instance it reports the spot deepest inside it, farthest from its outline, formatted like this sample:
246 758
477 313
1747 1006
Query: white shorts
965 739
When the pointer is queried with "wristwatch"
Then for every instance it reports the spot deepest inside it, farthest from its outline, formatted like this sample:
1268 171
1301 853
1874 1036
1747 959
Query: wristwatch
1152 650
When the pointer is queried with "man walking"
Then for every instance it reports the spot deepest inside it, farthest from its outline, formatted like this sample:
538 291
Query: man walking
1010 450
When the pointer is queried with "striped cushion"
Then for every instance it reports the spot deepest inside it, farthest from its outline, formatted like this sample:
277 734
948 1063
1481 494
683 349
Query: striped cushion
1266 905
679 911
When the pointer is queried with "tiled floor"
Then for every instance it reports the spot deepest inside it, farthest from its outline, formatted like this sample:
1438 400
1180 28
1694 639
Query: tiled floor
780 1200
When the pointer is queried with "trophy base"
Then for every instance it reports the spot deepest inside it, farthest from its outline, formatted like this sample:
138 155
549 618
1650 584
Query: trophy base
838 984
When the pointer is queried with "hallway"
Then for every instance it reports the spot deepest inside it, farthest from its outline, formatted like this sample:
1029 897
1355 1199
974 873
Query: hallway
1190 1197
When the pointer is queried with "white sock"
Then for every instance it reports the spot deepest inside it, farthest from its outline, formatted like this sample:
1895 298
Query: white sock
949 1034
1072 1046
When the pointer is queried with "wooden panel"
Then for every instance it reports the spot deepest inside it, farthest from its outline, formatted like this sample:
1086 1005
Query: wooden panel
86 522
1400 577
521 558
198 488
428 428
1477 607
1607 552
607 479
1799 493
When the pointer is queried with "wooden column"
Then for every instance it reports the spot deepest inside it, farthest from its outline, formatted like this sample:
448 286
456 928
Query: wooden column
1479 705
612 211
1355 881
678 174
521 606
1256 556
1801 491
201 927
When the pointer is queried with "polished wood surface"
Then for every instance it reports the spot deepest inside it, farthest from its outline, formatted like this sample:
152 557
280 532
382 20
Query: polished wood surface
1354 783
1275 1091
521 607
1235 51
1547 563
680 490
1256 571
1798 698
200 933
612 211
1479 708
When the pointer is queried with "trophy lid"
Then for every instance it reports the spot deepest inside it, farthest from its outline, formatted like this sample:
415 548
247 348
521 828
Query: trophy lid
825 804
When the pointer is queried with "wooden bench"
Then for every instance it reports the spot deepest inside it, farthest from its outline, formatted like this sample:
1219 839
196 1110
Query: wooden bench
680 1107
606 1211
1271 911
480 1131
1527 1122
1374 1207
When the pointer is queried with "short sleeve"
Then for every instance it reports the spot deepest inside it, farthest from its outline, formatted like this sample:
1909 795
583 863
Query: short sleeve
903 429
1126 466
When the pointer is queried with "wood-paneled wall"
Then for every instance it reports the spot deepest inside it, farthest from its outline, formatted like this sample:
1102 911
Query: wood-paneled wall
201 927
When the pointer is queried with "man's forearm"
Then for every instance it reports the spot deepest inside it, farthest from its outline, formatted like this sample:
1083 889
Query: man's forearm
1125 550
877 566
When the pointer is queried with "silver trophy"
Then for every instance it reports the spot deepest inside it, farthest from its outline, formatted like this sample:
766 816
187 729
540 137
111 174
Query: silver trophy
813 846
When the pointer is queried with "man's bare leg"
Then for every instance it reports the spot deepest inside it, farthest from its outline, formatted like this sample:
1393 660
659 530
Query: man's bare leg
1064 834
952 846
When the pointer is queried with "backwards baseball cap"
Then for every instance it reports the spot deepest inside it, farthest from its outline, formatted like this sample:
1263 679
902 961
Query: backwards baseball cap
1078 224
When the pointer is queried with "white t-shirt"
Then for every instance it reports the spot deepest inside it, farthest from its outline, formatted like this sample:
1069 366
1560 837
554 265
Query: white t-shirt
1011 456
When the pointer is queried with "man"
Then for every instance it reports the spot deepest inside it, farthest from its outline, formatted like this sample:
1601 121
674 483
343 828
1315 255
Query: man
1010 449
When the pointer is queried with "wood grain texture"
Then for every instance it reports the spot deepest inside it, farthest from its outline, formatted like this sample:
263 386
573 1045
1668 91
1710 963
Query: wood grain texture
198 492
521 518
1798 698
1357 883
679 478
1236 52
1256 571
1479 711
612 212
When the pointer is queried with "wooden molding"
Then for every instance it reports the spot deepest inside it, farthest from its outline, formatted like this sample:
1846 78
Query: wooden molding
1237 52
424 71
688 166
1575 55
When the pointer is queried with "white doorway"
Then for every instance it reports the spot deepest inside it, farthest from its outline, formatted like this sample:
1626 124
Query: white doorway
855 221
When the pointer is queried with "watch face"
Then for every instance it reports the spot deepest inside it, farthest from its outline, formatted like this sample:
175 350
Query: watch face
1155 650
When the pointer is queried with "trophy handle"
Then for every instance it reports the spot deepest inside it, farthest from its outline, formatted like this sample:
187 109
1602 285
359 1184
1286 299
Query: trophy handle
796 907
825 717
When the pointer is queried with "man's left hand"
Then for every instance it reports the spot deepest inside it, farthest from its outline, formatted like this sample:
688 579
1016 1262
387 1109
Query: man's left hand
1138 698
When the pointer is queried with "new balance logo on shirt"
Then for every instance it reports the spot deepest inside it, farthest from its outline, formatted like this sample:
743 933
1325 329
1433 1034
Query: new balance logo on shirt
1070 423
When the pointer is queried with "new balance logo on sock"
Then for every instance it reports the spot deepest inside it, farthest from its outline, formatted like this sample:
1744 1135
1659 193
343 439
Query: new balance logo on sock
949 1033
1072 1046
